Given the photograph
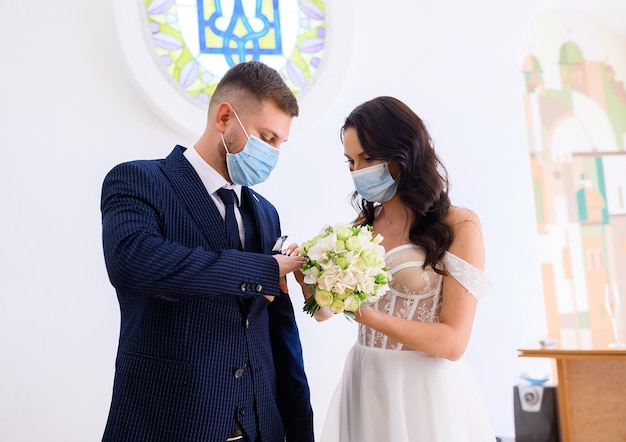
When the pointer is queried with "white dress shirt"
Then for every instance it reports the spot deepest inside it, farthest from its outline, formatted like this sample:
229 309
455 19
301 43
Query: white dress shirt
213 181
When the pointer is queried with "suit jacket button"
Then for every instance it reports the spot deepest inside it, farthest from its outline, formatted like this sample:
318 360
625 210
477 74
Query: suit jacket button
259 287
242 287
242 411
238 373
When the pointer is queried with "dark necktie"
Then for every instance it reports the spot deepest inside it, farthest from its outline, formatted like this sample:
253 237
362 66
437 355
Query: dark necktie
228 197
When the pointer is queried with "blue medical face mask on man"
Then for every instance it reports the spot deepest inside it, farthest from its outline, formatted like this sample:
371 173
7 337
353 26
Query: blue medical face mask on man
375 183
254 163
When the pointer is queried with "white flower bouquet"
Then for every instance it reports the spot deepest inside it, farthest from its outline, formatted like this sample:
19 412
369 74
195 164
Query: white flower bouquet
346 269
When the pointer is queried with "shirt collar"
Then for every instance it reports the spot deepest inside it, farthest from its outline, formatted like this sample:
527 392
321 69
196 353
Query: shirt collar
211 179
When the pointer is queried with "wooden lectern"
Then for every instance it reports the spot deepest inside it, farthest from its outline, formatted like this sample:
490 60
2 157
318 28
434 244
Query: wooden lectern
591 392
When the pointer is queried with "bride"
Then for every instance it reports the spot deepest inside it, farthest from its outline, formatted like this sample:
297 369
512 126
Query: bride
405 379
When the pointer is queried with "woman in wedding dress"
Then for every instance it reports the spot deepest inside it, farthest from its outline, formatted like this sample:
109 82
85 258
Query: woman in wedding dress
405 379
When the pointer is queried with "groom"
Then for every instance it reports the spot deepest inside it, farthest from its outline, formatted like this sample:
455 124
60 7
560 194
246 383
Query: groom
208 349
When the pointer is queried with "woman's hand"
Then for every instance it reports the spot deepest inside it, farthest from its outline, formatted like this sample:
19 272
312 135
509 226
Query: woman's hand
300 278
364 314
292 249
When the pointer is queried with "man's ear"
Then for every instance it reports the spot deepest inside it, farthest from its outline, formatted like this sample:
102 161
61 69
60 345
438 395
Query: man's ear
223 114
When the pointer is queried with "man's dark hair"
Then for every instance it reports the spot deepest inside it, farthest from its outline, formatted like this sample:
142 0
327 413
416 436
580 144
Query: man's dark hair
256 79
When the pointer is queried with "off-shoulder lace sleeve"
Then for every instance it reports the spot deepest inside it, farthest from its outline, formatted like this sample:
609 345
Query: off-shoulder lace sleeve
473 279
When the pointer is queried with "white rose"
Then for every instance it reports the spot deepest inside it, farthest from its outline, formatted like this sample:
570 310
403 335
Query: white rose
336 306
329 278
353 243
343 232
323 298
366 285
311 275
351 303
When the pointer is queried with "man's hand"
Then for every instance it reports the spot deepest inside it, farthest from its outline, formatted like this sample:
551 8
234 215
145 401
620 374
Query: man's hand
289 261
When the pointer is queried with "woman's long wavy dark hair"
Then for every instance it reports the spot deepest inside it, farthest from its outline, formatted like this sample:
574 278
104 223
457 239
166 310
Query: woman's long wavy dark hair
389 130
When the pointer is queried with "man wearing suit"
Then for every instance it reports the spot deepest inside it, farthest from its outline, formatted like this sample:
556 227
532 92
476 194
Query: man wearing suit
209 348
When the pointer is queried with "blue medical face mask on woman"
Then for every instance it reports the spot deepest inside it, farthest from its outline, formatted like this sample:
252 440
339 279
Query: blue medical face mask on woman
254 163
375 183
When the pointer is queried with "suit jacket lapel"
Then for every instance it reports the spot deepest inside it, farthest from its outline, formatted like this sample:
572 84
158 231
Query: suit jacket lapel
259 219
189 187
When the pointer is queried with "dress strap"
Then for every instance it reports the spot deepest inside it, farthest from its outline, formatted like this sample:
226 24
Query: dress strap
473 279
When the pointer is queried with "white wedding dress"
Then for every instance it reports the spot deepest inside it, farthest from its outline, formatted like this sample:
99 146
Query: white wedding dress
391 393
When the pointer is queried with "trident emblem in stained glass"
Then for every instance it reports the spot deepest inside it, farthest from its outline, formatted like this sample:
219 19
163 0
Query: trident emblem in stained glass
197 41
239 36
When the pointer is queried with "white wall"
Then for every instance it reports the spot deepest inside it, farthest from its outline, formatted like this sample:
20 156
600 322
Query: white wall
70 110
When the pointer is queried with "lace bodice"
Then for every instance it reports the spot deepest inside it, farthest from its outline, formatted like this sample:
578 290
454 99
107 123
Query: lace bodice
415 293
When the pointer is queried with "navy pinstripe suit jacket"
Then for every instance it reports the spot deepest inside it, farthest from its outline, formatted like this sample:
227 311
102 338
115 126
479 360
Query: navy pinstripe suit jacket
200 349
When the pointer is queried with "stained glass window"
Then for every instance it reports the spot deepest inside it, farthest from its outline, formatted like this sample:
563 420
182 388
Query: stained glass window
196 41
